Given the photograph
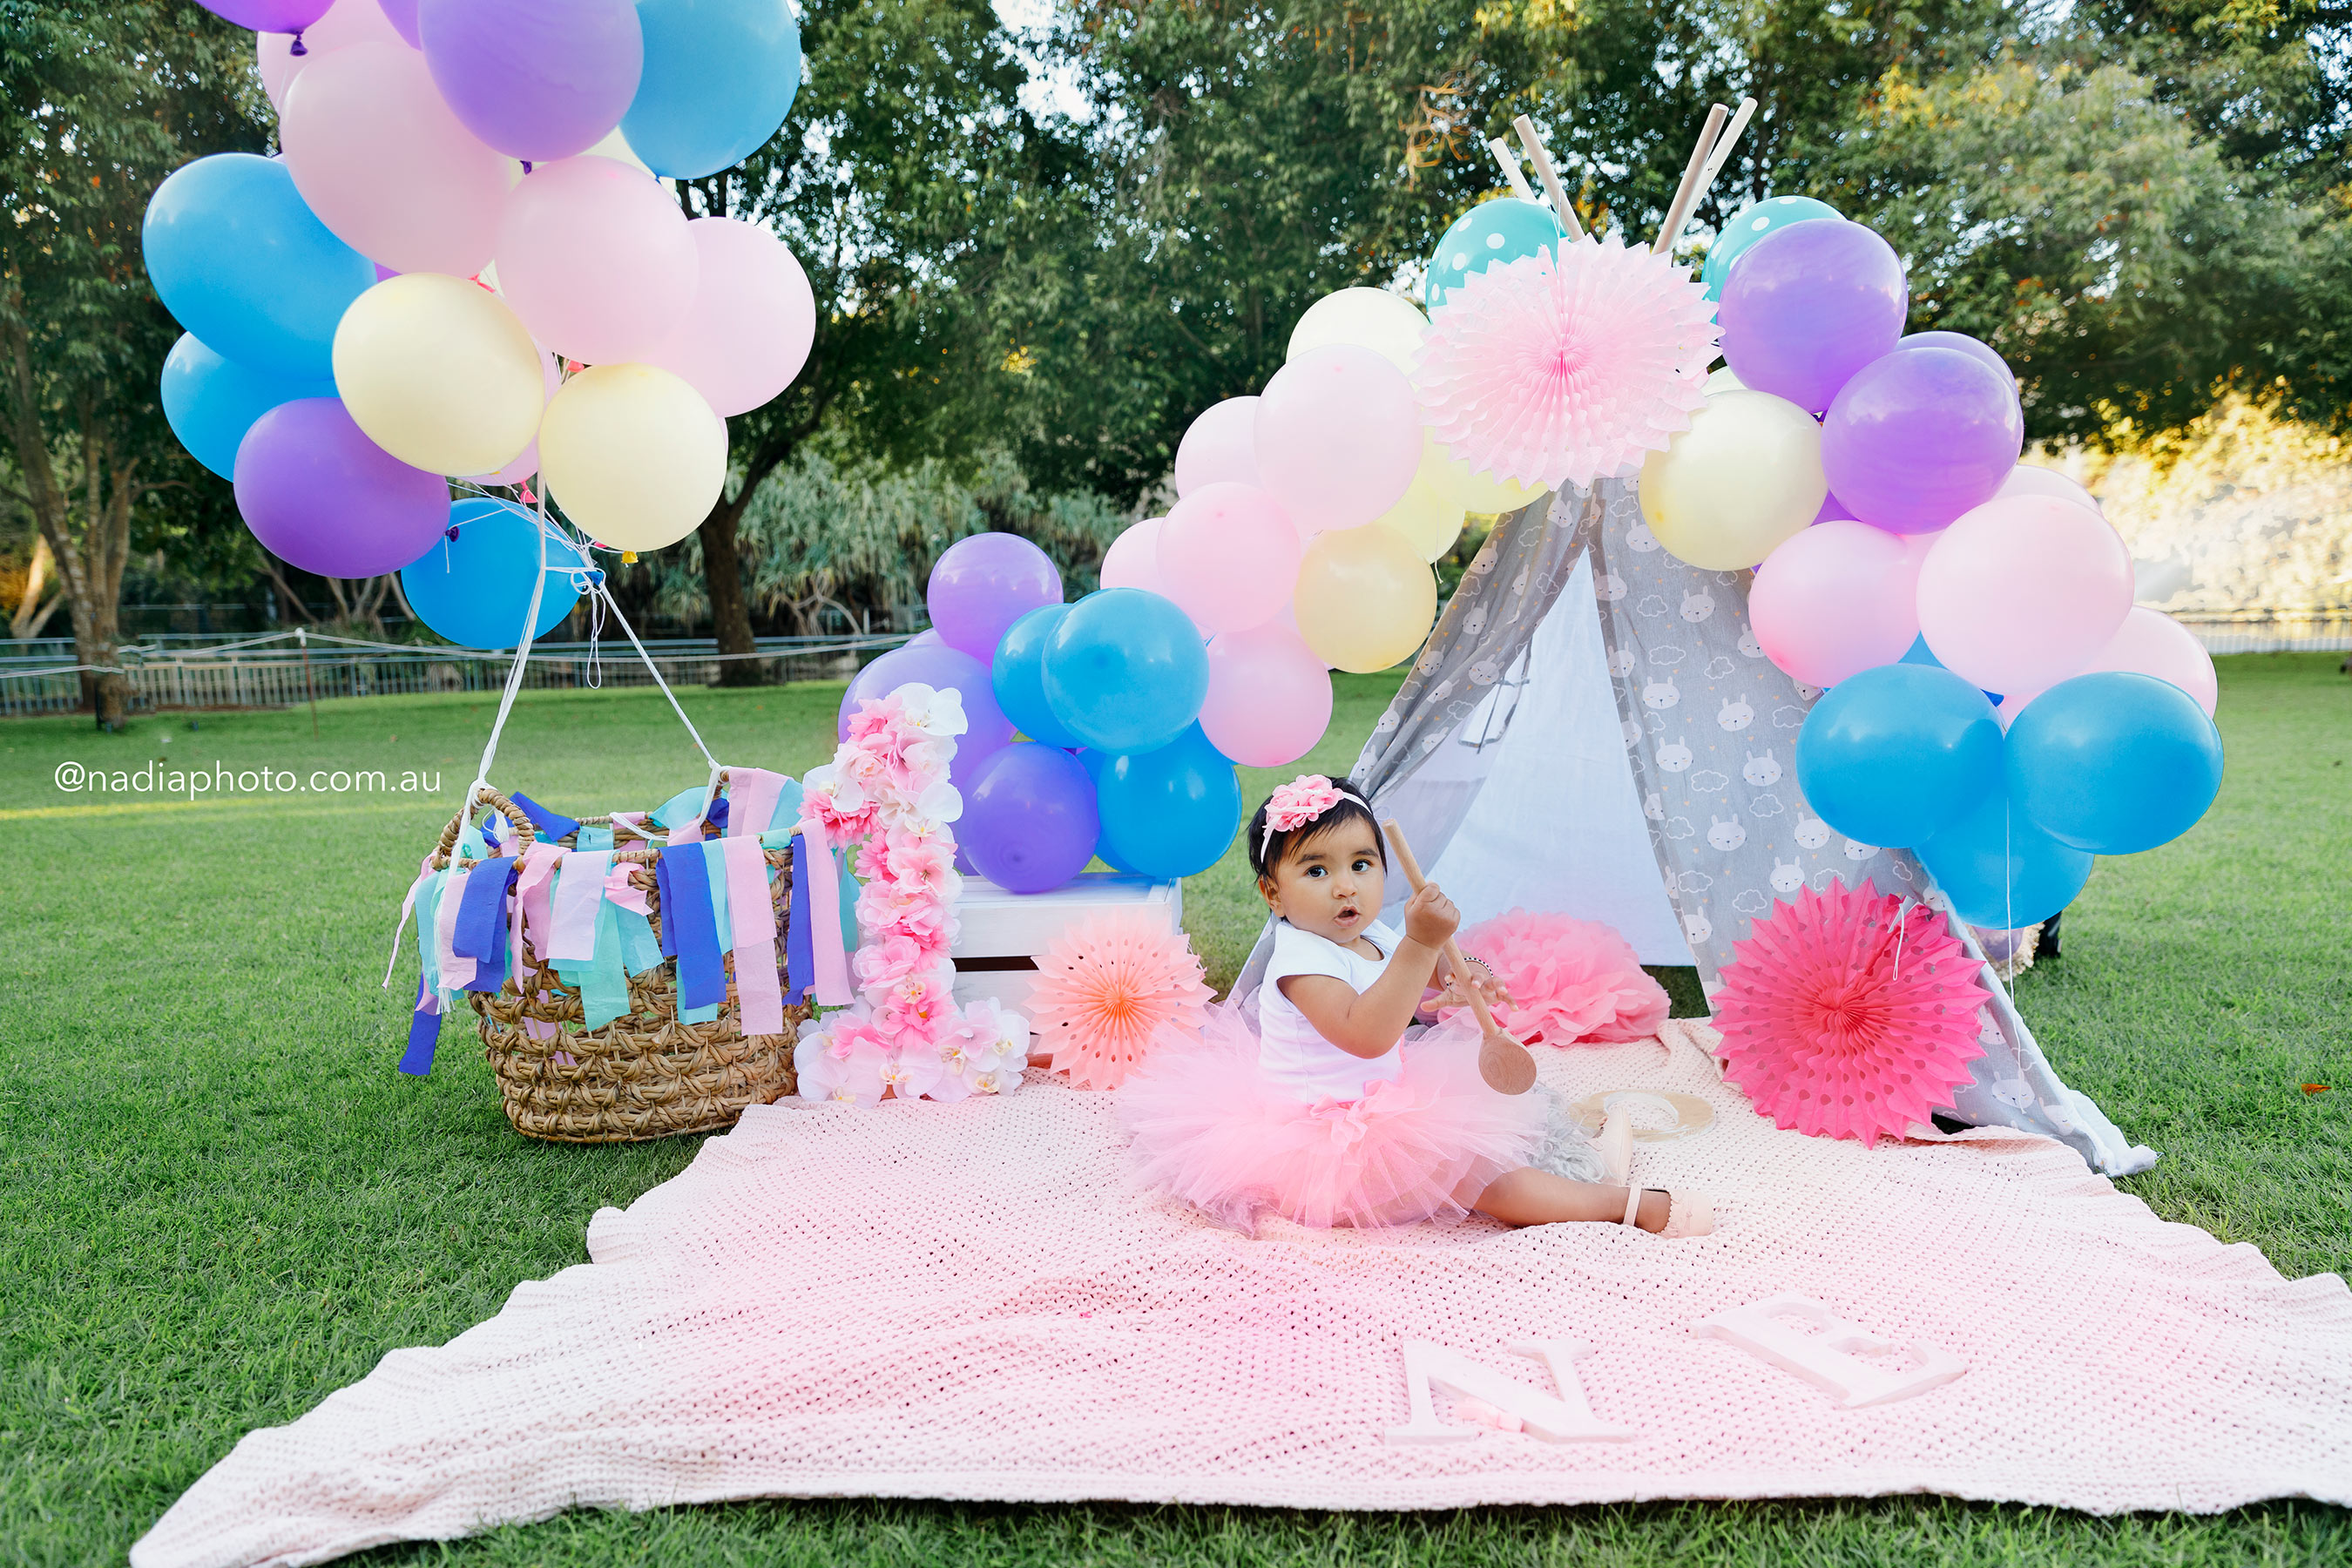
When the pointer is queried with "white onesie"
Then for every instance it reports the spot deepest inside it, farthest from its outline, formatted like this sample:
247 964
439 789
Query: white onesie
1290 1052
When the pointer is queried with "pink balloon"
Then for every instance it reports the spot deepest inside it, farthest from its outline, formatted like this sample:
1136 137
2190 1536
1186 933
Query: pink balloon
2150 642
1228 556
386 166
2018 594
522 468
753 321
1133 559
1338 437
1269 697
1219 446
347 22
1835 600
596 258
2025 479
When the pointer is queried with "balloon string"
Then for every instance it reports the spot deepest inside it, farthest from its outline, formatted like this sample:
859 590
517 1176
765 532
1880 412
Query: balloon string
514 675
604 592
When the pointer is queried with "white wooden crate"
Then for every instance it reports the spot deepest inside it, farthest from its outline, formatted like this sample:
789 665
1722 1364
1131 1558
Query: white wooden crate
1003 932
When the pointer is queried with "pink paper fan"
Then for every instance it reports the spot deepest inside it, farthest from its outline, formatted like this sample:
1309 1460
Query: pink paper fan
1570 981
1829 1030
1560 368
1109 990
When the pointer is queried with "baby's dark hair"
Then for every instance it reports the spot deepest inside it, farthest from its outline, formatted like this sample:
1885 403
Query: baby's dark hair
1266 854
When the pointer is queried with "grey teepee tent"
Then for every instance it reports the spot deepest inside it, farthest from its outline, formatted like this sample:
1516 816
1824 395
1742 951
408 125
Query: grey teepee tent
1592 728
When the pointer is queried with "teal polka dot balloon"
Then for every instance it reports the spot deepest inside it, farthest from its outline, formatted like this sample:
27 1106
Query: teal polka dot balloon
1501 230
1769 216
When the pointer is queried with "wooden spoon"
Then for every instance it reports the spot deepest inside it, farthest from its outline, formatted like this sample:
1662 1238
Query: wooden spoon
1503 1062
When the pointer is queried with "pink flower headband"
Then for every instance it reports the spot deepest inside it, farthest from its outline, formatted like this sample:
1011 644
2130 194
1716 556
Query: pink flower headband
1294 804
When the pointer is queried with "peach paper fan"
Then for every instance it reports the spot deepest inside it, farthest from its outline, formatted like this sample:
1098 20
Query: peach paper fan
1835 1027
1568 365
1110 991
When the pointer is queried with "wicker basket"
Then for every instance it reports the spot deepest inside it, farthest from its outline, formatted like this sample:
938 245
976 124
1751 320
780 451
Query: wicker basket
643 1075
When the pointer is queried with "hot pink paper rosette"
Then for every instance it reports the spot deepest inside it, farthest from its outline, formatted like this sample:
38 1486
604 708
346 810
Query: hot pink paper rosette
1831 1032
1562 367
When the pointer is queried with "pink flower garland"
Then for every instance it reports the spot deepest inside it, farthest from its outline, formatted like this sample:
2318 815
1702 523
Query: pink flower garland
887 792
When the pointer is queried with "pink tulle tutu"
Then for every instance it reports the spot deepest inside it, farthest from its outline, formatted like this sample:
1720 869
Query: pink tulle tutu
1209 1128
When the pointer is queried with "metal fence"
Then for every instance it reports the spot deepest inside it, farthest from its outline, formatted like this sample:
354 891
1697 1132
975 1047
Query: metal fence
2271 631
283 670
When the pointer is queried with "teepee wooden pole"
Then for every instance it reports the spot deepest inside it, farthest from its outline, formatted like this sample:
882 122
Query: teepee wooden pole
1723 146
1686 193
1549 175
1503 1062
1510 167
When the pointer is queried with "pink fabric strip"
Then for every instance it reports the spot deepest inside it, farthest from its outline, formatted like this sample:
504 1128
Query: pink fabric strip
751 796
579 893
455 970
623 891
408 908
532 913
759 991
825 925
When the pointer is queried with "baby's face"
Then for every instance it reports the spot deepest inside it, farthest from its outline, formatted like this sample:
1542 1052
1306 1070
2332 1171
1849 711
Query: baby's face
1331 883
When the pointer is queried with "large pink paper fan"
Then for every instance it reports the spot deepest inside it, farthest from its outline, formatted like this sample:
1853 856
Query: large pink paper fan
1564 366
1109 990
1841 1022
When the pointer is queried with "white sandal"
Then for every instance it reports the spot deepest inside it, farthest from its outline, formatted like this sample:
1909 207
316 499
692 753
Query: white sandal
1687 1214
1616 1147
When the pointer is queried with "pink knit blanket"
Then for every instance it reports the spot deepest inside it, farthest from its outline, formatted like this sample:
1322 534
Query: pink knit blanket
970 1301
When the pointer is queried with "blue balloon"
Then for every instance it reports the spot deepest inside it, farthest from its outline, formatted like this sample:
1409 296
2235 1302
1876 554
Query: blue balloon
211 402
2114 763
475 589
1170 812
720 77
1896 753
241 262
1920 653
1767 217
1125 670
2001 871
1019 675
1504 230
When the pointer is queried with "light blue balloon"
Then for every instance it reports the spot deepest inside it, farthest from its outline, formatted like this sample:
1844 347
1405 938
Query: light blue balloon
1892 754
1018 674
1169 813
2114 763
720 77
211 402
2001 871
242 263
1504 230
1125 670
475 589
1768 217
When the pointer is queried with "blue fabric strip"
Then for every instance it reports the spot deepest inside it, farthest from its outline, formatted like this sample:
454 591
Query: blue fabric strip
551 824
686 917
799 959
664 897
423 1033
480 932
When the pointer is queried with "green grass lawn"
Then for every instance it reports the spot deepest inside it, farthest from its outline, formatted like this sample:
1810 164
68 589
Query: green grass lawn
218 1203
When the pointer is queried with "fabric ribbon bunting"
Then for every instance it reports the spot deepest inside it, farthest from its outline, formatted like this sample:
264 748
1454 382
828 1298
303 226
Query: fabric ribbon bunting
752 913
690 932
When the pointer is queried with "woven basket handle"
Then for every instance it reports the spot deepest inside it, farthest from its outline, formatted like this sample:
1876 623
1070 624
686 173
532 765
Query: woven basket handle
525 834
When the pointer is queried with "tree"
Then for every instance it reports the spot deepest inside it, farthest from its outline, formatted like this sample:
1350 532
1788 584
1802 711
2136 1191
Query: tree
99 104
899 182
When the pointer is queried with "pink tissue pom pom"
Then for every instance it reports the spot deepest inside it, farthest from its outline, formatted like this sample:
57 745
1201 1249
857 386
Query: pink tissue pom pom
1570 981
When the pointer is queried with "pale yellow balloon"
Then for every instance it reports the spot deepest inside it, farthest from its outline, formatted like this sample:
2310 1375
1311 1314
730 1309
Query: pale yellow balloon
1480 495
1365 599
634 454
1424 519
1374 319
439 374
1744 477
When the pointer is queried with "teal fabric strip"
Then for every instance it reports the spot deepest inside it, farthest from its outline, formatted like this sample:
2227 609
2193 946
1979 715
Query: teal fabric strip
604 996
716 864
698 1014
597 835
428 903
639 950
849 888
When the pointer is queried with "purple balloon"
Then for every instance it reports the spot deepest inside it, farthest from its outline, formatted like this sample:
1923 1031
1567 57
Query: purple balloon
1029 818
1975 348
537 80
983 584
940 669
318 493
1918 438
270 15
402 15
1807 306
